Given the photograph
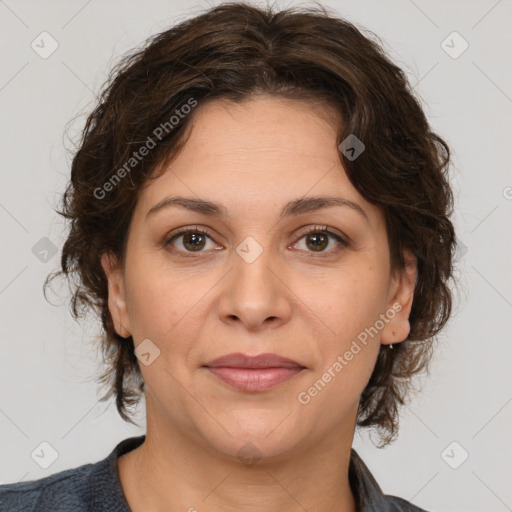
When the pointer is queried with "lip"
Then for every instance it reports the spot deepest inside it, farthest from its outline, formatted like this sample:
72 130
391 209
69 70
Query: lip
254 373
239 360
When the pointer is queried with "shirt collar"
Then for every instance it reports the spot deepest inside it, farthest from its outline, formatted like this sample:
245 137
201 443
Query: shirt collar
367 492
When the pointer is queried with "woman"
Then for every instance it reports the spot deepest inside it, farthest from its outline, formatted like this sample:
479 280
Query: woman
260 215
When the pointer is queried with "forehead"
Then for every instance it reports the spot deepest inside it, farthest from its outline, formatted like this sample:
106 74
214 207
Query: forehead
266 128
255 156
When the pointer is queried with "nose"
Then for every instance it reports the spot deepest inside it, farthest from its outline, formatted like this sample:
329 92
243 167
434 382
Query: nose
254 293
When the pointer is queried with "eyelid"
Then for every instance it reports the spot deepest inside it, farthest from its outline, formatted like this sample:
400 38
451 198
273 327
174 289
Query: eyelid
321 228
183 231
342 239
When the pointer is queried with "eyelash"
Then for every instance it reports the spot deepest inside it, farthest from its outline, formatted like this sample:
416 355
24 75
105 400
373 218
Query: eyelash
314 230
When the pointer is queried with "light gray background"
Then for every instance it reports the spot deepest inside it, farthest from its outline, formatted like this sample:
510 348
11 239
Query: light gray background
48 361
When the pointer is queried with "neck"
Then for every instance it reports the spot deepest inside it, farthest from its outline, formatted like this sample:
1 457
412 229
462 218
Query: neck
170 472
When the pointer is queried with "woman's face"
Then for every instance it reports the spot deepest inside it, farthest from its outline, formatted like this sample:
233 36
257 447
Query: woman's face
256 283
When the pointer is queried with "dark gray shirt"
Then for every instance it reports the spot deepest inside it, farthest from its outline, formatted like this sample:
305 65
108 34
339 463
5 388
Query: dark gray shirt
97 488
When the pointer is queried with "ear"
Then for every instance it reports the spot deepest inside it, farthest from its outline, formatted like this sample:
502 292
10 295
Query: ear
116 294
400 301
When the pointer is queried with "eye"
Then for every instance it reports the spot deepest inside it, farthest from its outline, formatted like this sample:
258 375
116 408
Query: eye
193 240
318 238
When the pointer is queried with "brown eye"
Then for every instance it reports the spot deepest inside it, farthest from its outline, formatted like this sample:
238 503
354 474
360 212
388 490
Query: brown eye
192 240
318 239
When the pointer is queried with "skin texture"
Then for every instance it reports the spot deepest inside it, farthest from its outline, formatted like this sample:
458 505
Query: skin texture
305 304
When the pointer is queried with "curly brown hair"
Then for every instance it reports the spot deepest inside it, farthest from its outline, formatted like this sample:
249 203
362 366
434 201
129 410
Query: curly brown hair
234 51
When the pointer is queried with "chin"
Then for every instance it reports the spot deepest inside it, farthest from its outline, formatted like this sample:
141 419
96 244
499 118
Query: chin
254 439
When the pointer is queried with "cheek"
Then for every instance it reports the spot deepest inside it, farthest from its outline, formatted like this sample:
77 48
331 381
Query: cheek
350 301
166 305
347 353
348 347
156 301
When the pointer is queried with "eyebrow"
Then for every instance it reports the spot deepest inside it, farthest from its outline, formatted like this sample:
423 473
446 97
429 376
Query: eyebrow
292 208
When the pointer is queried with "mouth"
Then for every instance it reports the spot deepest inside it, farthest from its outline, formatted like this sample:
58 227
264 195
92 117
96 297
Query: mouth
253 373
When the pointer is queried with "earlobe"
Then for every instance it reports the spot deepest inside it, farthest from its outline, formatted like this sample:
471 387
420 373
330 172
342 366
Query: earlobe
397 329
116 294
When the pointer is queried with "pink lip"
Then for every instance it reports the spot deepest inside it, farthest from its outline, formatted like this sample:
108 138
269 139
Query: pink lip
253 373
245 379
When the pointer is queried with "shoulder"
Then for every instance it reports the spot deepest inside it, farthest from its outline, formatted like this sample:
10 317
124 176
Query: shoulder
60 492
369 495
396 504
90 487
